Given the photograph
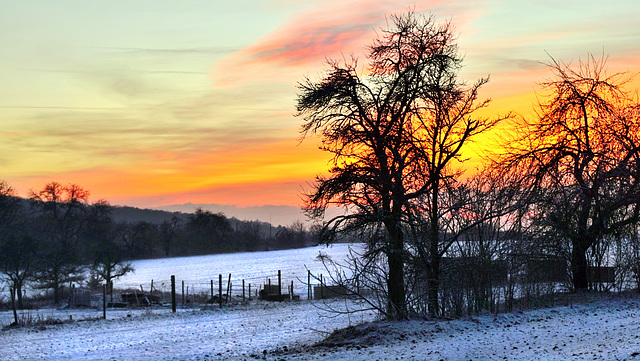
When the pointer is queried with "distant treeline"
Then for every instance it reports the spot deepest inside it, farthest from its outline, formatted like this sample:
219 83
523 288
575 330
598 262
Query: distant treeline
50 238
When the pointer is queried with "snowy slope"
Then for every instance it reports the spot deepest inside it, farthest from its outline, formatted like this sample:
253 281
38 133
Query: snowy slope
602 330
606 328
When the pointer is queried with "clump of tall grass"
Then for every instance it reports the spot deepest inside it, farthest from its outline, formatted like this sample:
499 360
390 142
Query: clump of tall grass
27 319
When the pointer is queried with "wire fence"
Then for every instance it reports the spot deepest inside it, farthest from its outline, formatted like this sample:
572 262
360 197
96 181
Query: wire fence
217 291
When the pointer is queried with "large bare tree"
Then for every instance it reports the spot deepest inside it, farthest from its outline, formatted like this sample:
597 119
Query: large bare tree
61 219
580 160
396 128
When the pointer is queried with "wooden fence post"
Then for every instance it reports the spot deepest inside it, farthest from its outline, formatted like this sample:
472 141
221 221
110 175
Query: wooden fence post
211 291
229 288
291 293
243 290
183 293
151 291
249 291
309 284
279 286
220 289
173 293
104 301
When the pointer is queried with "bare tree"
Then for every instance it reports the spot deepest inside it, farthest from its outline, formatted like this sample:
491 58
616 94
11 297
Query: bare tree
580 160
169 231
291 236
107 253
9 204
208 232
395 133
137 238
252 235
17 248
18 256
61 216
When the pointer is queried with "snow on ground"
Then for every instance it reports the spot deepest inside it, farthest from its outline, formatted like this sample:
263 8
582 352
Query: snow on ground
597 330
236 332
253 267
602 328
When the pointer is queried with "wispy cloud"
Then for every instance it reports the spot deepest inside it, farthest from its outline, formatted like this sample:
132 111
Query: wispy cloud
304 43
337 28
213 50
329 30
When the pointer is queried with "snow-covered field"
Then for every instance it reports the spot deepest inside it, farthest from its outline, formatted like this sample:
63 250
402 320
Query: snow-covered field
601 329
253 267
156 334
593 327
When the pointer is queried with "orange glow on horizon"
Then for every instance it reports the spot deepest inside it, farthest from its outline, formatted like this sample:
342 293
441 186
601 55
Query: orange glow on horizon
273 173
258 173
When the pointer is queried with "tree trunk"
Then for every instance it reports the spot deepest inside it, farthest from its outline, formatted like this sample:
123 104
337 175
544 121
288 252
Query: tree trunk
397 307
13 305
56 293
18 288
579 266
107 279
434 265
54 278
433 284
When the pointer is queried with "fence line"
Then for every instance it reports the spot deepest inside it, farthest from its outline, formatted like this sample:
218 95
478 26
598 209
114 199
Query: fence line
230 290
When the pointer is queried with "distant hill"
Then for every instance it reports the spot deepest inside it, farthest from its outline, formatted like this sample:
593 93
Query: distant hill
157 216
276 215
133 215
269 214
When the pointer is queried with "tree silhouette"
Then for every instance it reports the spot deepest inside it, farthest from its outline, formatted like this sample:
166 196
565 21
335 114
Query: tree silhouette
18 250
580 160
395 128
107 254
208 232
61 219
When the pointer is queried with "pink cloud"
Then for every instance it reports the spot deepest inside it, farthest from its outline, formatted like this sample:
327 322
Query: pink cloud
333 29
336 28
301 43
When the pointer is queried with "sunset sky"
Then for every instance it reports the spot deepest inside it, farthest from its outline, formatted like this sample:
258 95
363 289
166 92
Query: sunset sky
151 103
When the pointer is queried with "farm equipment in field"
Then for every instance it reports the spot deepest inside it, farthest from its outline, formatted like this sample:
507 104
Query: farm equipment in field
139 299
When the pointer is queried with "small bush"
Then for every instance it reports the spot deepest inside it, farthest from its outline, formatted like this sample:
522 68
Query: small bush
26 319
